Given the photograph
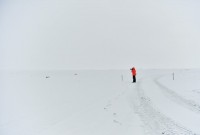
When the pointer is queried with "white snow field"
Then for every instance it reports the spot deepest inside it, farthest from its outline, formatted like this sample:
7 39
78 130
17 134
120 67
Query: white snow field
100 102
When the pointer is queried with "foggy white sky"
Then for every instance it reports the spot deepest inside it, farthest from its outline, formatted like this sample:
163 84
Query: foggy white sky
98 34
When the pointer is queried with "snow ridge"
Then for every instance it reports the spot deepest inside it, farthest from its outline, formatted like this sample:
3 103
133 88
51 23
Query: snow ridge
190 104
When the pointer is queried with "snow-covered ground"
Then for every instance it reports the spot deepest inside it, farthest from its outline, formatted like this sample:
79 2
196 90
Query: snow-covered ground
100 102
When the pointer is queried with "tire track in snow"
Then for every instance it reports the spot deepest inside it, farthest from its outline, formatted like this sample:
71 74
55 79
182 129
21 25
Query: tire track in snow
189 104
155 123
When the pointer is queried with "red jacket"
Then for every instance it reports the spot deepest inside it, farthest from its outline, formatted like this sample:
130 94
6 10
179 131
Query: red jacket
133 70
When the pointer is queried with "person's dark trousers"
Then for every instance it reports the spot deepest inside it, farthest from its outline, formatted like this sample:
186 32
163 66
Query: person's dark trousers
134 79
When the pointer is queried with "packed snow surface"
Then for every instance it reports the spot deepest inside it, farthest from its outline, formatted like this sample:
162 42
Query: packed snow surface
100 102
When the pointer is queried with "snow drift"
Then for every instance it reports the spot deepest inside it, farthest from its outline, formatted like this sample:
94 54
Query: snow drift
100 102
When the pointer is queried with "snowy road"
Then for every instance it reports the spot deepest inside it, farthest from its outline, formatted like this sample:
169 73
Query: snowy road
161 114
99 103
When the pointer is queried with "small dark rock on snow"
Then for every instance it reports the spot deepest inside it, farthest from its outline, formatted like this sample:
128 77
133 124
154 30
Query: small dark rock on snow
47 77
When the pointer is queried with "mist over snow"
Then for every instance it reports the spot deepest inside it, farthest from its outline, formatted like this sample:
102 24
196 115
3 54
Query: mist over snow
93 34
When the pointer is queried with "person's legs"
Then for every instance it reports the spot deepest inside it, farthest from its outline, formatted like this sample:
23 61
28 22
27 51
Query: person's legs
134 78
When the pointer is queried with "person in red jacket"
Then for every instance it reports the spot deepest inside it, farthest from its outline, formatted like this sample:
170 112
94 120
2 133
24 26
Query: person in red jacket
133 70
